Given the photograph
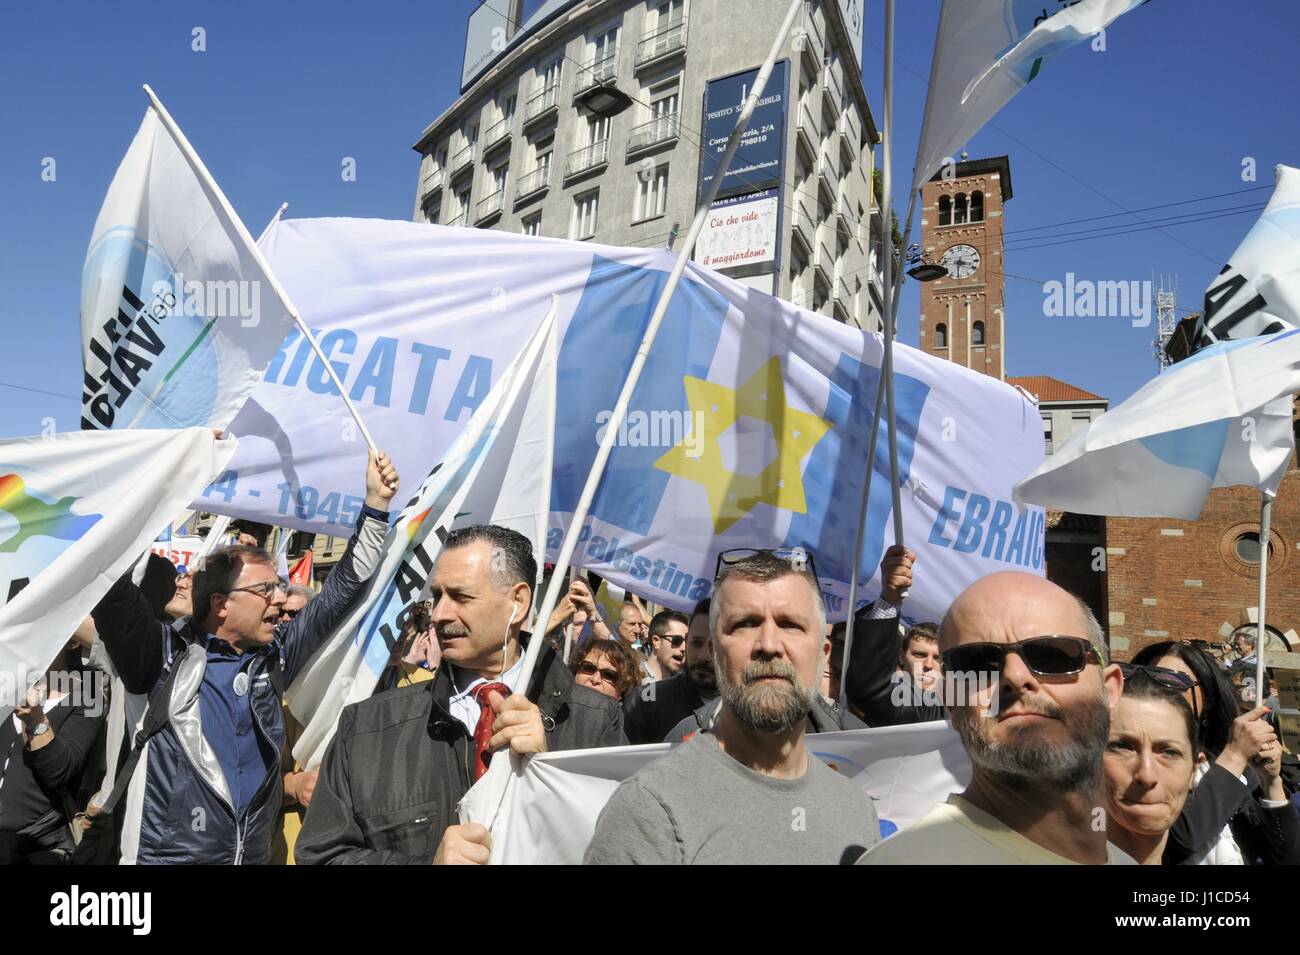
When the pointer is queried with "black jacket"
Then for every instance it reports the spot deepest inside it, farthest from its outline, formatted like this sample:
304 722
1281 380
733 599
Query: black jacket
399 765
1267 836
870 683
652 710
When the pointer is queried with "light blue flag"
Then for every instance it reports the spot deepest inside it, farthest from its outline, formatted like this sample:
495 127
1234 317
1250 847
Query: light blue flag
1218 419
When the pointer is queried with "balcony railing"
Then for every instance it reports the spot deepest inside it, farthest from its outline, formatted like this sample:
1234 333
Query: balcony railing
489 206
462 158
460 220
803 225
662 42
580 160
497 132
823 261
431 183
661 129
597 70
844 214
833 88
542 102
533 183
807 132
826 174
811 14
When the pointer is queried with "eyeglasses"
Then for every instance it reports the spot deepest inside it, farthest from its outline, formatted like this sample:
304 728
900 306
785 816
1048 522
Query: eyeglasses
289 614
266 590
588 668
674 640
1163 677
1045 656
796 557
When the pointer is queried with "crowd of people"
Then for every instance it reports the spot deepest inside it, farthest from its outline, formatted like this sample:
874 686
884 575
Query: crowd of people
160 734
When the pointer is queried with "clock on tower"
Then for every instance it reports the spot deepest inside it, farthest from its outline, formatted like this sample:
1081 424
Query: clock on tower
963 313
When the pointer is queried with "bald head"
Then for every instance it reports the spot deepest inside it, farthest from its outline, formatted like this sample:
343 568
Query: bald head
1011 606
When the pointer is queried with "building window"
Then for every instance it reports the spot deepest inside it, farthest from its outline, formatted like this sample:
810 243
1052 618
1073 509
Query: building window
941 335
977 207
663 103
1047 433
1247 548
432 213
945 210
543 150
959 209
584 215
652 193
669 13
977 334
532 225
551 73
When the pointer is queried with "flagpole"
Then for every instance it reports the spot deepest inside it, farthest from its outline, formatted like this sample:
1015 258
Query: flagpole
275 220
885 383
1261 634
241 231
638 363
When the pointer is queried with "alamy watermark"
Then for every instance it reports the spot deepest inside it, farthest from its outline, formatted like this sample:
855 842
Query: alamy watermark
213 298
1084 298
656 429
953 688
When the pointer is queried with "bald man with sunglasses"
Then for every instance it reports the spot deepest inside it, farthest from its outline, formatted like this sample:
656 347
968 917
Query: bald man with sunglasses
1030 662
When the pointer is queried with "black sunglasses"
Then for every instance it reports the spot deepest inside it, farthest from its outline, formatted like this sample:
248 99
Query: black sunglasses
590 669
1044 656
674 640
1163 677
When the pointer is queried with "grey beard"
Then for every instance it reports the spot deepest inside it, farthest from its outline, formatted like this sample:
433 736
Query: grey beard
1034 764
766 707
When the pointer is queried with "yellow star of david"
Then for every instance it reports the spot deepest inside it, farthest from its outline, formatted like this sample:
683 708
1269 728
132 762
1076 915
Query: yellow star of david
780 484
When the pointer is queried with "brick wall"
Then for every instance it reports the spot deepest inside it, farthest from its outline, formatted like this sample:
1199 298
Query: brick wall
1170 580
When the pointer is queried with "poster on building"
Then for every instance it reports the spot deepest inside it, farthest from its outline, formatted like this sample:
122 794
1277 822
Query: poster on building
741 234
759 160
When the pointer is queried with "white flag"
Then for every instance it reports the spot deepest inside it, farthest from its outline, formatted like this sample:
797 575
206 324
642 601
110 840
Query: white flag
1212 420
543 810
178 320
497 472
1258 291
76 510
986 51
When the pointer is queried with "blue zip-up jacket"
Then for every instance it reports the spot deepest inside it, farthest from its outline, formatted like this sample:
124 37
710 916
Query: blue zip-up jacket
180 807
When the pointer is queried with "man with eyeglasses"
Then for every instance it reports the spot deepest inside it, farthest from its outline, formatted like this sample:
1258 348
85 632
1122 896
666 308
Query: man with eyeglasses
667 644
204 779
1030 661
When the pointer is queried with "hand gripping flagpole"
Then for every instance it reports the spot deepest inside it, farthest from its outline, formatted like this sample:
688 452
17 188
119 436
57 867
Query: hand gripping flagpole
638 363
201 171
885 384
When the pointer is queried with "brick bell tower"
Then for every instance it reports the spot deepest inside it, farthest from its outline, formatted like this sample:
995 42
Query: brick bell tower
963 314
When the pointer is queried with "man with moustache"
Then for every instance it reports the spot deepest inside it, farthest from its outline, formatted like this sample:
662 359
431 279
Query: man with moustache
401 761
653 710
1035 723
748 791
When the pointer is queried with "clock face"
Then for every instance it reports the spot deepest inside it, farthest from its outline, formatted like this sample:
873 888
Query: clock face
961 261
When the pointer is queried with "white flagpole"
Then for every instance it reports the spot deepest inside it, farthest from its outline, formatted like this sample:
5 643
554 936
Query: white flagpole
1261 634
275 220
885 384
638 363
202 172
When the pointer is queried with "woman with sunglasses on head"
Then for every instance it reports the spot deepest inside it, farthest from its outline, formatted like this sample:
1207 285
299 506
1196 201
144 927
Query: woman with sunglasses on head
1238 811
1149 763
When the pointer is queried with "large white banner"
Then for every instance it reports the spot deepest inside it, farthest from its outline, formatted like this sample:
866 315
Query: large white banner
76 510
178 321
543 810
497 471
748 428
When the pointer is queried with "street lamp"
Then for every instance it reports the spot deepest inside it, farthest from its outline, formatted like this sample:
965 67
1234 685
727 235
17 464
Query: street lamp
605 99
925 271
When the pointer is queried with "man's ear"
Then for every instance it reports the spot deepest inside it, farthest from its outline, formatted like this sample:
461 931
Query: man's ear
522 596
1112 684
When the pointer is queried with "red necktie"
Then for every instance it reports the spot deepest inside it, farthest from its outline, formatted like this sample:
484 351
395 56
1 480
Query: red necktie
483 728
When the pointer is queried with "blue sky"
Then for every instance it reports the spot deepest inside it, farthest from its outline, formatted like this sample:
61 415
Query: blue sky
1185 91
